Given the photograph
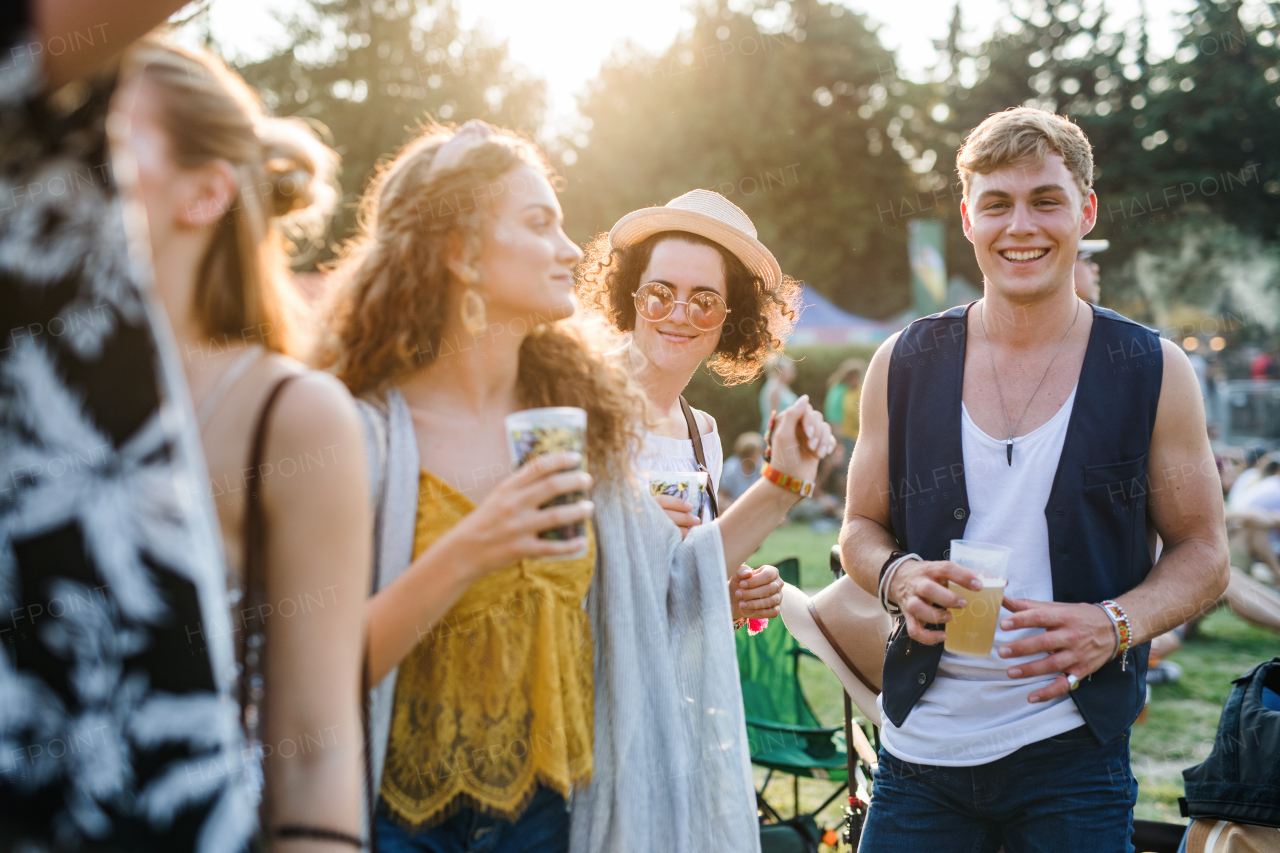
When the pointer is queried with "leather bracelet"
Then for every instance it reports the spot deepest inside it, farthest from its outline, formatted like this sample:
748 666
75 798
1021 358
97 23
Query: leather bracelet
804 488
890 570
1115 629
893 555
295 831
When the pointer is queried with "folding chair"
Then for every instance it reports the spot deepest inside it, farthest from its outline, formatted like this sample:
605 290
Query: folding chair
783 732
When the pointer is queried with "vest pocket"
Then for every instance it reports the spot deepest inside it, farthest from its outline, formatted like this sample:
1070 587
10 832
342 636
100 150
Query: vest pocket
1120 480
1115 496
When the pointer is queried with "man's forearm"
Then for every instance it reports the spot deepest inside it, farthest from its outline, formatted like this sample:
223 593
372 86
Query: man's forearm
1188 579
864 546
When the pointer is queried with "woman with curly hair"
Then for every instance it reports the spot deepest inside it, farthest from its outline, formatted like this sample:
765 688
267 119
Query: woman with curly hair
503 695
691 283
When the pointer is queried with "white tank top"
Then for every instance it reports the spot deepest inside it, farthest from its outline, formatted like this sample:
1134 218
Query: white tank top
662 455
973 713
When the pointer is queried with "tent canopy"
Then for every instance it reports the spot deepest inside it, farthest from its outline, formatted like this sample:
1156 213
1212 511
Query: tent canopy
822 322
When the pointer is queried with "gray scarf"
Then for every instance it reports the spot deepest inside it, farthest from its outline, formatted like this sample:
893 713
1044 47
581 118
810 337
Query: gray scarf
672 771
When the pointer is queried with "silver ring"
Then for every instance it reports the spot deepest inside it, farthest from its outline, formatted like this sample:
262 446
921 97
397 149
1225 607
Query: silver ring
1072 682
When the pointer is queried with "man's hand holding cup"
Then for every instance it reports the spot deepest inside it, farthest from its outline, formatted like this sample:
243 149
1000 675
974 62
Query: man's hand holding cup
919 588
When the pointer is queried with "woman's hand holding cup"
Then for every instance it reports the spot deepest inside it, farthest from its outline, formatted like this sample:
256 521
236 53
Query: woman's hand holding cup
504 528
679 511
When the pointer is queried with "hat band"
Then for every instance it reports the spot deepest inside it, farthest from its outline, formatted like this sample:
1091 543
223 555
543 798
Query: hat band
817 620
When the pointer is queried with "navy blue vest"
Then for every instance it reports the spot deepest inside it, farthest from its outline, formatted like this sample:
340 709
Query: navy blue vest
1098 545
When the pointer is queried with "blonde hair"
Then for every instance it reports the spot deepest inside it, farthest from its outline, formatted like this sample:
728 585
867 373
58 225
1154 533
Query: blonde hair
284 189
388 312
1023 135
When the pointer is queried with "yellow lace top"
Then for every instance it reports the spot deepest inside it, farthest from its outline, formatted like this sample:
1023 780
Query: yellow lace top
497 698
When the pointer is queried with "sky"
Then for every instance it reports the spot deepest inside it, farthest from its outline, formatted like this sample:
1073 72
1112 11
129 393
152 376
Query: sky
565 41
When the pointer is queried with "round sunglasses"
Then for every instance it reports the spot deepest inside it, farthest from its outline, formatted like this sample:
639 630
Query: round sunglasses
706 309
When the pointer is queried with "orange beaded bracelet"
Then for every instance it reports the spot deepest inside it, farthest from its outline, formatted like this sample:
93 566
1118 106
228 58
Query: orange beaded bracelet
804 488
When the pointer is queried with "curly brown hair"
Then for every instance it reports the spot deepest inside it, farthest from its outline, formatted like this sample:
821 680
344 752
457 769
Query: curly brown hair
760 318
388 310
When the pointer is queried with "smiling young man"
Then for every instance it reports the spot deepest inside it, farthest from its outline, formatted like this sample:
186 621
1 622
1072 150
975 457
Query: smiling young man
1069 434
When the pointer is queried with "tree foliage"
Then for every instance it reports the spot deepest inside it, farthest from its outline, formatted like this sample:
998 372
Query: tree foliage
787 113
372 71
796 112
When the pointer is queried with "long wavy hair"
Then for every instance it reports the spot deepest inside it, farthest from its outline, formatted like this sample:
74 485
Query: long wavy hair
760 318
388 312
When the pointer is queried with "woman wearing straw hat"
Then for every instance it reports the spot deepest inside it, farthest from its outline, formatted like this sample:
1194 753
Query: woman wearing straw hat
691 282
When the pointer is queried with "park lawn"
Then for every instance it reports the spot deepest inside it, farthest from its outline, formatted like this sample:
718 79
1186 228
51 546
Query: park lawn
1177 732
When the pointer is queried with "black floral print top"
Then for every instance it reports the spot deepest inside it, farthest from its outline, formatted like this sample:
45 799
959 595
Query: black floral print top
117 726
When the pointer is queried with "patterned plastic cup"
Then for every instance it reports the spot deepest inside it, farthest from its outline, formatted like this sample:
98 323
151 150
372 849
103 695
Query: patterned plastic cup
533 432
689 486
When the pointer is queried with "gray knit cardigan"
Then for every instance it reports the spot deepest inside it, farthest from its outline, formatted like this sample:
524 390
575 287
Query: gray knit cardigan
672 771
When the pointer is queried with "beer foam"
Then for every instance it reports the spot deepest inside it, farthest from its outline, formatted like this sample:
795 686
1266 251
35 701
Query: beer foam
989 582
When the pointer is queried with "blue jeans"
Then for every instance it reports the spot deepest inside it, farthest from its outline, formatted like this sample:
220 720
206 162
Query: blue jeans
543 827
1064 794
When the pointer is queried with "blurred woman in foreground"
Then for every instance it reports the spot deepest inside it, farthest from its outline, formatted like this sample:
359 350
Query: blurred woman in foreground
509 695
283 443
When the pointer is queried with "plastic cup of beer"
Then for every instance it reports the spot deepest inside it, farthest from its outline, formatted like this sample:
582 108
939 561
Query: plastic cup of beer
972 628
533 432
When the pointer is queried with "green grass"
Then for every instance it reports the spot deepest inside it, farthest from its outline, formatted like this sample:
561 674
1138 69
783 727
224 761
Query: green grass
1177 733
798 540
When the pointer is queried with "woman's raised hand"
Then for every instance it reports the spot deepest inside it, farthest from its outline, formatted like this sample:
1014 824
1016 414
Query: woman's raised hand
801 438
504 528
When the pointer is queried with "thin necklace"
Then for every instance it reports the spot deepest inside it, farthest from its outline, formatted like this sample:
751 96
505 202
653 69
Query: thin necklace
1008 444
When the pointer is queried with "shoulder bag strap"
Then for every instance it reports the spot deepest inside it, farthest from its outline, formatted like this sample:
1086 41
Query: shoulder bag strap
252 639
252 645
696 435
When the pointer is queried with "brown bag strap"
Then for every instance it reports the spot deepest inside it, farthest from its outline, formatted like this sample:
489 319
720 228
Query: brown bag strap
251 646
696 435
252 643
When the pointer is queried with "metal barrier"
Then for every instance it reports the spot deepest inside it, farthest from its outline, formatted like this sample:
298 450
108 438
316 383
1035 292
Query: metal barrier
1245 411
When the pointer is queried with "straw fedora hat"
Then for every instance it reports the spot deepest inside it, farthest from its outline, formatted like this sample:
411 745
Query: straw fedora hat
847 629
707 214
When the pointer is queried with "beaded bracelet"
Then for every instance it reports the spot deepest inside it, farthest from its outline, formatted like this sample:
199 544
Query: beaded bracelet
1124 631
804 488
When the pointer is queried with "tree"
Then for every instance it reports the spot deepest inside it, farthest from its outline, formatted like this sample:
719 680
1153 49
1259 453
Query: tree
1212 112
793 112
372 71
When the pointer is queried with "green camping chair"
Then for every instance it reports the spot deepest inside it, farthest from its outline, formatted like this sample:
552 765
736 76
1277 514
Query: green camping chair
783 733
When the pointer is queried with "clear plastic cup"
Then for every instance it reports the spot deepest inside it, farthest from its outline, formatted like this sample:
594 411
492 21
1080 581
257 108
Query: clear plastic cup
972 629
689 486
533 432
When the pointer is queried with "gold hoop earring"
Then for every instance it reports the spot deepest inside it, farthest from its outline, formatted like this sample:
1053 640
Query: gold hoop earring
475 318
